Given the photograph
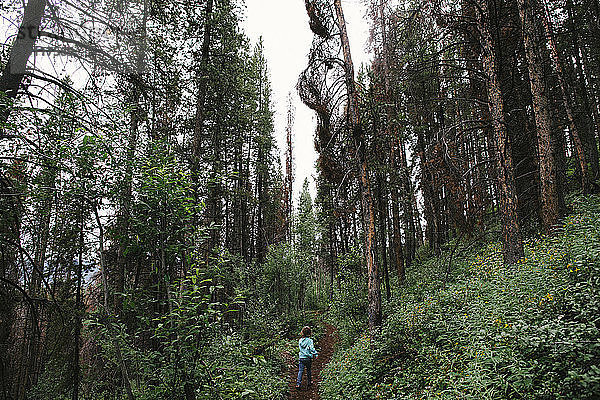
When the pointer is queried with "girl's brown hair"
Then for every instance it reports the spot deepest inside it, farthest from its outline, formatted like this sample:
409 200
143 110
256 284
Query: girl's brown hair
306 331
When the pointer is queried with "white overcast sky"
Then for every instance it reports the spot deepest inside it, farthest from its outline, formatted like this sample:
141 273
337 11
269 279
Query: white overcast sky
283 25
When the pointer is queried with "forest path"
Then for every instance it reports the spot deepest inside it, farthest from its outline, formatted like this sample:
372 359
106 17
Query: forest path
325 346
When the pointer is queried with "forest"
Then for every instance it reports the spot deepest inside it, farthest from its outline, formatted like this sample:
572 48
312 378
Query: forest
155 242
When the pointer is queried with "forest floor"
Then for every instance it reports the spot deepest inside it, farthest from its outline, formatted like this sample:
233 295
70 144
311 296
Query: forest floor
325 347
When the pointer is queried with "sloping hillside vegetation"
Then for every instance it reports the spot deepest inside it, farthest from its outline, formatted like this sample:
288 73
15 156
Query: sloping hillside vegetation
524 331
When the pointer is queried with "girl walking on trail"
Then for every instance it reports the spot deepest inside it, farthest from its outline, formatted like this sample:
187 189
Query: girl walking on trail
306 355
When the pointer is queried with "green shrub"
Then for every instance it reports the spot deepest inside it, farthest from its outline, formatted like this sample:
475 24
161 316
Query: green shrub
350 374
190 347
349 305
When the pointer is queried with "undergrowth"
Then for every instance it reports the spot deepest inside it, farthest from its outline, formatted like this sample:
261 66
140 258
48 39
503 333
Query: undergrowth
523 331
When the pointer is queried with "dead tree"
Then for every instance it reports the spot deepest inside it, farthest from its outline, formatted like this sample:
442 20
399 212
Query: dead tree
334 93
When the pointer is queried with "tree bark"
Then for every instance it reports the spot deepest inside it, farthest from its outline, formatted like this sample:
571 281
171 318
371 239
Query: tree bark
511 234
14 71
383 217
78 309
397 238
202 84
374 286
587 111
547 165
566 100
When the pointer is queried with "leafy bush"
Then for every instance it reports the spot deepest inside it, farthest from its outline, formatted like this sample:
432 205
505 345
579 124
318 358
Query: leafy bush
349 306
282 279
192 347
350 374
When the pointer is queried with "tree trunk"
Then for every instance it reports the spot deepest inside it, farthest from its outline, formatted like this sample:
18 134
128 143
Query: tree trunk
202 84
124 214
431 229
78 310
547 164
511 234
407 195
383 217
397 238
587 111
374 287
394 147
417 221
14 71
289 169
566 100
331 255
11 294
199 127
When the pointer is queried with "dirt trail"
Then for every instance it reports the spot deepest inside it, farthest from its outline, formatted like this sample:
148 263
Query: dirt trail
325 346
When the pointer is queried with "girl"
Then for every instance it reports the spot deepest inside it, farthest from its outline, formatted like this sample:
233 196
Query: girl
306 355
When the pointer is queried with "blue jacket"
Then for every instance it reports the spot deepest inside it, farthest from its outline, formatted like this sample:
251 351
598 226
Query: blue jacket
307 348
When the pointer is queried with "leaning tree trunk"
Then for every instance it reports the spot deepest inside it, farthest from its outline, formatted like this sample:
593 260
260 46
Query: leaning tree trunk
511 233
588 110
14 70
556 61
374 286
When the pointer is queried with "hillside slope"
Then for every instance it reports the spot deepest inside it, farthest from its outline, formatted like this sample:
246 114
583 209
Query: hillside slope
526 331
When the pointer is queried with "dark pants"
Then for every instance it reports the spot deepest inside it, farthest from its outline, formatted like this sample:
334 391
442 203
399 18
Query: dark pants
304 363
